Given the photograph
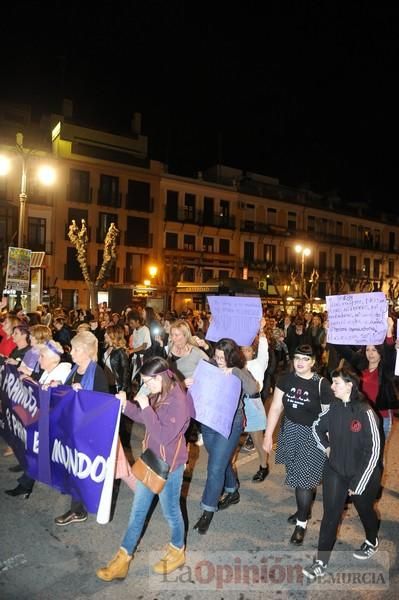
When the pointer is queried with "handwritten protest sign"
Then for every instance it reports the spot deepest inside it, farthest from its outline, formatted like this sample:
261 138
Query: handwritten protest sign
357 319
235 317
215 397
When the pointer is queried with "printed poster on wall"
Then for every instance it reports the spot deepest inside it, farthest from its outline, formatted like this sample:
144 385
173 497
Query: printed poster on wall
18 269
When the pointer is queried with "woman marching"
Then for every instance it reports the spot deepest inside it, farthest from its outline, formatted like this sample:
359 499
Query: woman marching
85 375
255 413
301 395
376 365
164 412
220 474
348 434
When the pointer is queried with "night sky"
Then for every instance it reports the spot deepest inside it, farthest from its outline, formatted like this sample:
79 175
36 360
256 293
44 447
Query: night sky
305 92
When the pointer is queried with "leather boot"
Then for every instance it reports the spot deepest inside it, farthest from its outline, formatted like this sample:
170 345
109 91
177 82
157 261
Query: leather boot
117 568
298 536
261 474
171 560
202 525
228 499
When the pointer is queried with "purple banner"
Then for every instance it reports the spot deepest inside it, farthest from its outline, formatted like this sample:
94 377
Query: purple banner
75 429
215 397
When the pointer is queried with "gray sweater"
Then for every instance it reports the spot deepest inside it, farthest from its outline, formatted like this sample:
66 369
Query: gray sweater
185 365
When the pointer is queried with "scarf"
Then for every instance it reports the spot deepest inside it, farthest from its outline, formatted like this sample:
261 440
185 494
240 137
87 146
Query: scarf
87 381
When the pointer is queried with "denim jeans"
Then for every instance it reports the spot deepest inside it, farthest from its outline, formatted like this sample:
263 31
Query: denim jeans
387 425
169 499
220 472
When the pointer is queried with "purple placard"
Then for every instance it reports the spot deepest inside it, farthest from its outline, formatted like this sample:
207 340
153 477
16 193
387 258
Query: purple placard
357 319
235 317
215 397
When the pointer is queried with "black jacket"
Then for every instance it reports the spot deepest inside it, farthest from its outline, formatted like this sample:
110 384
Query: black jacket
119 361
354 441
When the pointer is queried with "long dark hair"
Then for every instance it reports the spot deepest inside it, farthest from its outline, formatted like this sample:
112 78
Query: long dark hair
159 366
350 376
233 354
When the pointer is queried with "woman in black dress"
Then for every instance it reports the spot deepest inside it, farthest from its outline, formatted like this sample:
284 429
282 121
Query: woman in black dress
301 395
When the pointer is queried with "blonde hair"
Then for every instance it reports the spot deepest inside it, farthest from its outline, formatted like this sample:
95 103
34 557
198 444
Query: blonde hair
87 341
184 327
116 334
83 327
41 333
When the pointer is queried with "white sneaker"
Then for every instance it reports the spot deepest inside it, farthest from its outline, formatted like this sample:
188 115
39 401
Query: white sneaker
318 569
366 550
200 440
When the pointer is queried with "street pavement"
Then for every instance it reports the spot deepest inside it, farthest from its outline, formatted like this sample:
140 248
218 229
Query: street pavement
246 554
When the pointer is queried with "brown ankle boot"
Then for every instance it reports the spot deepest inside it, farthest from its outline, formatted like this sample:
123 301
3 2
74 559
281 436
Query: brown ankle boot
117 568
172 559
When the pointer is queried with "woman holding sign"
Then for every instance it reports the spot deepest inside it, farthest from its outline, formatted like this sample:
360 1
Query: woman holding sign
301 395
376 365
220 476
255 413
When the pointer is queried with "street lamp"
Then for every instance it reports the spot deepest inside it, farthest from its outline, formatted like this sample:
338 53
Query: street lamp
45 174
153 270
303 251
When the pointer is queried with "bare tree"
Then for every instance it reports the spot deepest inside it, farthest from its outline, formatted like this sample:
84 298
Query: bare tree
80 239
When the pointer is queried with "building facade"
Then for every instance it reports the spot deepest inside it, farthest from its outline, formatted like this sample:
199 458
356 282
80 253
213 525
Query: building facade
223 223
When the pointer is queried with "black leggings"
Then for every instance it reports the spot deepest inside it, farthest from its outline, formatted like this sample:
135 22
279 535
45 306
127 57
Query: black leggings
304 500
335 492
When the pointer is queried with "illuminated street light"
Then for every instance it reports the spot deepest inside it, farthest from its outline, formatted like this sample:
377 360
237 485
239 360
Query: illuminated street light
153 270
4 165
45 174
303 251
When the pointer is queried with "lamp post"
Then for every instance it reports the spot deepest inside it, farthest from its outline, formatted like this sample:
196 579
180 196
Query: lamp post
45 174
303 251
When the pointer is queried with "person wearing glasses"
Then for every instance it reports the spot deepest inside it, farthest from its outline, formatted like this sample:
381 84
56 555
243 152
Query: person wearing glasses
161 406
301 394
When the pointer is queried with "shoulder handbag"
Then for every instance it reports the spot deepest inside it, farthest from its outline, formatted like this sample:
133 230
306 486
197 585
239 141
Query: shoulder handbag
153 471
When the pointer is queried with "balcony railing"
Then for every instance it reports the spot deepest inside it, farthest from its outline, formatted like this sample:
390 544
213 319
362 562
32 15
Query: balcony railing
200 218
101 234
47 246
147 207
83 198
140 241
113 200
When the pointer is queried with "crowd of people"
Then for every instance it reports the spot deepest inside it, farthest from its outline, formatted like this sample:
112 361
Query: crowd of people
331 410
